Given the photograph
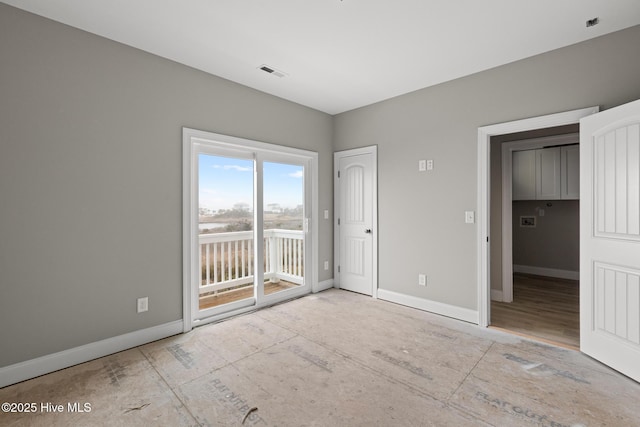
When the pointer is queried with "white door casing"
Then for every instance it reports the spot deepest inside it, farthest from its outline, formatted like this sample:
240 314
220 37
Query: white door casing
610 238
356 231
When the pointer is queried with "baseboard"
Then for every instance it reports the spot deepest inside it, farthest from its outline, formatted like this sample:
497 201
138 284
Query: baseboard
323 286
548 272
53 362
496 295
459 313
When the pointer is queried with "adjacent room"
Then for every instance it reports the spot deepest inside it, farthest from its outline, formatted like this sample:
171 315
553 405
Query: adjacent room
331 212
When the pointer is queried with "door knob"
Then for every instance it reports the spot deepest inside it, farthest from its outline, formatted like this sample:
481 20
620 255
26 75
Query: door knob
368 231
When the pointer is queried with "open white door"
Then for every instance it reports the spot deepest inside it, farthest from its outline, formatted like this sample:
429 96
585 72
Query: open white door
610 238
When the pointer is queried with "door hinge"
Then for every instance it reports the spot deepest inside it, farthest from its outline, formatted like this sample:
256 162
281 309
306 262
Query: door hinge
338 174
338 269
487 239
338 221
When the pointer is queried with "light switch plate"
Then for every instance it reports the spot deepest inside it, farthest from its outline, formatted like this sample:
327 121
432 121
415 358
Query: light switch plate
469 217
422 279
422 165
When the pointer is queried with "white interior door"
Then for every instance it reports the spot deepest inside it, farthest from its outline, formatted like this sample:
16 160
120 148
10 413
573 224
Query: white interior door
356 231
610 238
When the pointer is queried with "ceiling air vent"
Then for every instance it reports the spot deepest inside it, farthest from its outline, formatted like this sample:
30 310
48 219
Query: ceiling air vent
272 71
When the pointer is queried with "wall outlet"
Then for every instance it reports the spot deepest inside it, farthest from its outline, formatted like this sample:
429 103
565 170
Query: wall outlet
326 265
422 279
429 165
143 304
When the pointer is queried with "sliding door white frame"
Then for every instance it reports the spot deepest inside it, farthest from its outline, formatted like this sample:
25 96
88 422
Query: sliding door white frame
196 142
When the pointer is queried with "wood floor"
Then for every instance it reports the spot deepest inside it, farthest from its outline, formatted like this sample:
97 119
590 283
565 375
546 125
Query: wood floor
543 307
213 300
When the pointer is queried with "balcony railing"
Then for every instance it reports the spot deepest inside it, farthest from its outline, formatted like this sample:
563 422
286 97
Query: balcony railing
227 258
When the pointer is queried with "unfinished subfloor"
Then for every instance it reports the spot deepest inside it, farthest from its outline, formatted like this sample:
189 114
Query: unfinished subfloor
335 359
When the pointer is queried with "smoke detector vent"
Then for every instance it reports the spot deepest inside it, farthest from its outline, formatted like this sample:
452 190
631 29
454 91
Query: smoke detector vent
272 71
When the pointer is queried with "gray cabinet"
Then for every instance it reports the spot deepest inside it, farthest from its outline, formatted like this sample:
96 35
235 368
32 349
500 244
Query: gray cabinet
546 174
524 175
570 172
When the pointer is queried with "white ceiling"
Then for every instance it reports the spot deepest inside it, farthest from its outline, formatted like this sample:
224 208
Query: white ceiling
341 54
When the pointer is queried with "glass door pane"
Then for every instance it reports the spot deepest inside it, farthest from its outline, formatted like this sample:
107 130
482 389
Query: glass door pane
226 236
283 222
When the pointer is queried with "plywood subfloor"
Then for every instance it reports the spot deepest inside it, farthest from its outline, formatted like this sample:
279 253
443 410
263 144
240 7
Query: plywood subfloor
214 300
334 358
542 307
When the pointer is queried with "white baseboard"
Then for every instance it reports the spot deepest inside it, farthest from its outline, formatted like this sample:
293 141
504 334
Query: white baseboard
459 313
548 272
323 286
496 295
63 359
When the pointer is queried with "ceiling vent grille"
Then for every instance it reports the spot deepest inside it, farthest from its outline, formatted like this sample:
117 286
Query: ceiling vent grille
272 71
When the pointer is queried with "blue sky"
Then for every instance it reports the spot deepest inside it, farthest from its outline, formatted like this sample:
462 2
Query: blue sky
226 181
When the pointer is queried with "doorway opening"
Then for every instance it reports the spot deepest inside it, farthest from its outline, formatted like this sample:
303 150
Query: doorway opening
485 243
535 215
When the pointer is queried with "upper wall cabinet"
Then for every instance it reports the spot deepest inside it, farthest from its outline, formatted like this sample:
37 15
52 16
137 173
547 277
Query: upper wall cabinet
546 174
523 165
570 172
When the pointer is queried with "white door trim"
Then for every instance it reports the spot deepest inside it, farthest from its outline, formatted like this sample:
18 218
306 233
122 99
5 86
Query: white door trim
373 150
484 168
190 139
507 215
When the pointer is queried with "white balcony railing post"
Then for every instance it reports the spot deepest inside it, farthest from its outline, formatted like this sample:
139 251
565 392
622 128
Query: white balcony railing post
273 255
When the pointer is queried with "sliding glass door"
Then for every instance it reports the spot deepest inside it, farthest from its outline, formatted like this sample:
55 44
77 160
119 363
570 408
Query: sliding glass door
283 226
248 216
225 231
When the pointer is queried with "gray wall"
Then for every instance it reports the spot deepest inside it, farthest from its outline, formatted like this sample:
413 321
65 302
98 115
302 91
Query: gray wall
555 240
421 215
91 179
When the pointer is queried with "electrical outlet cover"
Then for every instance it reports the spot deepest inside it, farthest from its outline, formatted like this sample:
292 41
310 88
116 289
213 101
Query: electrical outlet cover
143 304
